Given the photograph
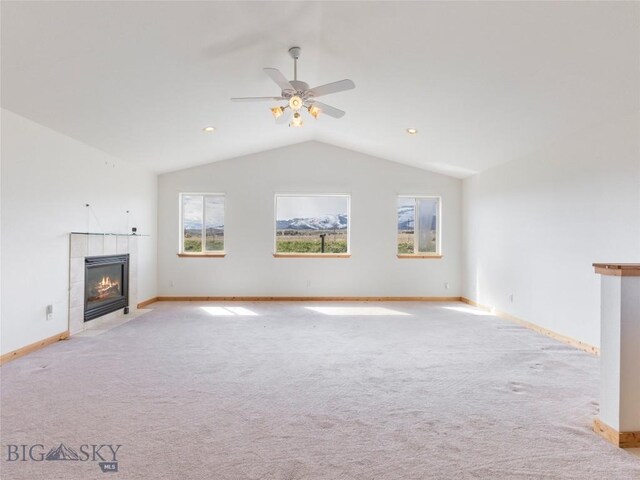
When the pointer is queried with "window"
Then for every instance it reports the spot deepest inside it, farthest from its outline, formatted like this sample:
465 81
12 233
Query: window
202 225
314 225
419 227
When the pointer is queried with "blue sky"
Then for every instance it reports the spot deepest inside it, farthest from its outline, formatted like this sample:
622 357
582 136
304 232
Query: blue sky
289 207
192 210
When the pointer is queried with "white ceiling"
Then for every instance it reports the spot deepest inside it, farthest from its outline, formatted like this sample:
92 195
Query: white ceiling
483 82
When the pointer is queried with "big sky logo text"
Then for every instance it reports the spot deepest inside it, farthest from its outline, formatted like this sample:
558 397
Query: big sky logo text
105 454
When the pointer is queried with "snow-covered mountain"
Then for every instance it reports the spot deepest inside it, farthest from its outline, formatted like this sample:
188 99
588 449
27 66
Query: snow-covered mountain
406 217
406 221
324 222
196 225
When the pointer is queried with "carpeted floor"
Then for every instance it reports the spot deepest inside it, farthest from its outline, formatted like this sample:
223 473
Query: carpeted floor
288 392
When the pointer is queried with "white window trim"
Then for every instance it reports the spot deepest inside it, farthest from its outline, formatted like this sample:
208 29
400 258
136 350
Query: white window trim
416 254
347 254
204 252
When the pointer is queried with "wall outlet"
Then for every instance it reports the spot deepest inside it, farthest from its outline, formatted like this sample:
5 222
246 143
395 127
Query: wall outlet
49 313
446 284
171 283
308 283
511 297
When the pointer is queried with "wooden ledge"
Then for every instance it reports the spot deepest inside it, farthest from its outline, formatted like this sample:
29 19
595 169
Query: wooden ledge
413 255
619 439
312 255
202 255
7 357
618 269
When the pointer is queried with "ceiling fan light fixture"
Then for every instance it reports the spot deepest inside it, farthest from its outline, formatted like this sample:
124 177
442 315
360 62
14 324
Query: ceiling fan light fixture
295 103
296 122
314 111
277 112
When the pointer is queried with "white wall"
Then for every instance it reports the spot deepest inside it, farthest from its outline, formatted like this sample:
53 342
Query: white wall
249 269
47 178
534 226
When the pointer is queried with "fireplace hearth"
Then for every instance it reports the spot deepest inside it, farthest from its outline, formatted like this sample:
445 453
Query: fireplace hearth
106 285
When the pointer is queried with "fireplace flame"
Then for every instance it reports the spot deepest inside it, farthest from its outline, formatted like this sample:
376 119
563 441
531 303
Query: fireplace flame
106 288
106 282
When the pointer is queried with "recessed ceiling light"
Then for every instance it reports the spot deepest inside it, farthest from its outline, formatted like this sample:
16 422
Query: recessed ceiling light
209 129
412 131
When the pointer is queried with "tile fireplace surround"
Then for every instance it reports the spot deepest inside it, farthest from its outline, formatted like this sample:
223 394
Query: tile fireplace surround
82 245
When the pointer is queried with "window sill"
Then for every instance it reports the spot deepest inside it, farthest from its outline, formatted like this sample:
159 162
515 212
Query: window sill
312 255
202 255
413 255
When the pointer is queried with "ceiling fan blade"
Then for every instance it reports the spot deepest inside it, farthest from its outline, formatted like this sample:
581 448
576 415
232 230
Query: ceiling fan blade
257 99
334 87
277 76
328 109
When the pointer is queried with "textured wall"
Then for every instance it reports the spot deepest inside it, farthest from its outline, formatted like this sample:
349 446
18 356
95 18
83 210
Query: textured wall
534 226
47 178
249 268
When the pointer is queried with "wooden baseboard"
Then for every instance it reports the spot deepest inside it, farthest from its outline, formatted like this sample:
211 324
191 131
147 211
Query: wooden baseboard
536 328
619 439
308 299
147 302
7 357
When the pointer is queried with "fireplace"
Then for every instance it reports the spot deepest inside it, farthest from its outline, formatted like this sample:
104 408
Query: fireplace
106 285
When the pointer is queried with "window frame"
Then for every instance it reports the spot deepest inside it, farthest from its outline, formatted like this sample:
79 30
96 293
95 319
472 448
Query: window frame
438 253
277 254
204 253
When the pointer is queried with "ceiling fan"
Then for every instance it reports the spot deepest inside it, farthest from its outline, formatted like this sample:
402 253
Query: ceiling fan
298 95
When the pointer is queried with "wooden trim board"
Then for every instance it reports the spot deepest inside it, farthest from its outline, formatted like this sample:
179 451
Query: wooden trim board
536 328
618 269
147 302
7 357
308 299
619 439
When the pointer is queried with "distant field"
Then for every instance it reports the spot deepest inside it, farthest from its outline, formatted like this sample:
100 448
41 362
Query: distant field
192 241
296 241
302 241
406 242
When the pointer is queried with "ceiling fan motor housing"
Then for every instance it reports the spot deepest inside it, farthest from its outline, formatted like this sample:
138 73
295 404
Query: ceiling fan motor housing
295 52
300 88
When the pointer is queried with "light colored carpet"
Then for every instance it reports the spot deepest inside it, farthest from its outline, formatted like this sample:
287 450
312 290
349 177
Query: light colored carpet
281 391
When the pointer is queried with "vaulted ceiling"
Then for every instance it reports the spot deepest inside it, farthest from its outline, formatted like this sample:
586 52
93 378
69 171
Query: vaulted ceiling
483 82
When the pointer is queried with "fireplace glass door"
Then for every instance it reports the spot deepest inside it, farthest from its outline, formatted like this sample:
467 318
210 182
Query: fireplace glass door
106 285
